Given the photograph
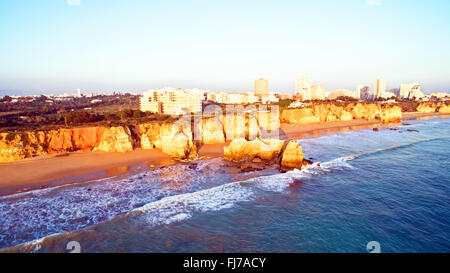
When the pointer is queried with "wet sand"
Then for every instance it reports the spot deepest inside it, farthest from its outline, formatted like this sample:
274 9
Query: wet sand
78 167
54 170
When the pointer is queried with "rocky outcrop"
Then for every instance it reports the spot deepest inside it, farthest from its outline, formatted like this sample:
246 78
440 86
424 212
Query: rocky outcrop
268 121
11 147
241 125
115 139
292 156
289 153
366 111
17 146
150 135
330 112
234 126
245 124
444 108
251 126
212 131
300 116
176 140
390 114
427 107
241 149
433 107
64 140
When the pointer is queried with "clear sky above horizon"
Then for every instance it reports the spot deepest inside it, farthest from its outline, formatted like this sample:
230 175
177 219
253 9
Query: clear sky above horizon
56 46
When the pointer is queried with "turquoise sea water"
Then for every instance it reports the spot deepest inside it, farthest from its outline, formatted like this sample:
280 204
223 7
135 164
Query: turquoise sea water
391 186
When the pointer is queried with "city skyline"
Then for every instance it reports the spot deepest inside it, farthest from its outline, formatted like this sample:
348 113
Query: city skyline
314 90
62 46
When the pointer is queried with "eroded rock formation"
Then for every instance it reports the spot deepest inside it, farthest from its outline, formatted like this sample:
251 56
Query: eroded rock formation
176 140
289 153
427 107
444 108
292 156
331 112
182 138
116 140
241 149
432 107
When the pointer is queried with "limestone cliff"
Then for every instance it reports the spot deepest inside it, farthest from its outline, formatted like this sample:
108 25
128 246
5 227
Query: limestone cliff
331 112
444 108
390 114
150 135
427 107
432 107
16 146
115 139
212 131
177 140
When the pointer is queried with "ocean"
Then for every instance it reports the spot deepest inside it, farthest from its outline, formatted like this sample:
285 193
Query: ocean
390 186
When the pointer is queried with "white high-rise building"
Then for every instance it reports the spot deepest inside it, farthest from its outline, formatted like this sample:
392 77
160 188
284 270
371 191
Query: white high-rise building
379 88
261 87
303 87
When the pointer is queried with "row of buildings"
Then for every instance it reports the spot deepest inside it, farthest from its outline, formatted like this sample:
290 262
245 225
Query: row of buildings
172 101
407 90
175 101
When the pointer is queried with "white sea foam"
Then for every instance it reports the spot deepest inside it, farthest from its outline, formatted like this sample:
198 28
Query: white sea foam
60 211
181 207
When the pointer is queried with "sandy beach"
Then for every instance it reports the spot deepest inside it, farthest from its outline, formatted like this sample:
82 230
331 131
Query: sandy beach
77 167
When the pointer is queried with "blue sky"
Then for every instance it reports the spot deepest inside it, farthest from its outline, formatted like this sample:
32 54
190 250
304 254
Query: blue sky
115 45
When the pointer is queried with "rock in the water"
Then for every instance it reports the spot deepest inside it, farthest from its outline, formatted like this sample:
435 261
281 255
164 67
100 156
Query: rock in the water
289 153
292 156
251 168
241 149
257 160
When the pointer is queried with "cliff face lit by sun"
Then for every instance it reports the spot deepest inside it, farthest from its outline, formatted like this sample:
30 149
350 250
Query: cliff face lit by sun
432 107
331 112
181 139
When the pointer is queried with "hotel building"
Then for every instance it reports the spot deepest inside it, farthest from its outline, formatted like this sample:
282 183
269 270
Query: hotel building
172 101
261 87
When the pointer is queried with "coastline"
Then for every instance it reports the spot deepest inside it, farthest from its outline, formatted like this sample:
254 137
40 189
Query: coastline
78 167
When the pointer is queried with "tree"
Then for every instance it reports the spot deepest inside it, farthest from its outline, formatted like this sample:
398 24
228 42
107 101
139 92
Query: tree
122 115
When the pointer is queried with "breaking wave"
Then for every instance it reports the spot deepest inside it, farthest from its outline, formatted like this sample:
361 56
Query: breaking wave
162 207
